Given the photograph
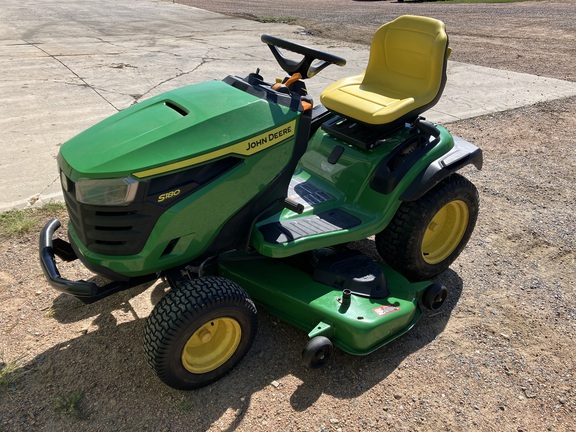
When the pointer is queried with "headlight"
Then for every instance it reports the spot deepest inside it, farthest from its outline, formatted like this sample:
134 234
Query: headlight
64 182
106 192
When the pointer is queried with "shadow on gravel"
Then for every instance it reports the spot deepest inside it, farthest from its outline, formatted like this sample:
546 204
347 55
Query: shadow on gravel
106 362
349 376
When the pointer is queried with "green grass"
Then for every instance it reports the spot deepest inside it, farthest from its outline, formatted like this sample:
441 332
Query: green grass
185 404
68 405
18 222
9 372
267 19
276 20
50 313
54 206
15 222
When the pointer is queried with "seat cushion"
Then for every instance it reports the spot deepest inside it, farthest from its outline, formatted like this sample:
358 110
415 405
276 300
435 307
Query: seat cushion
367 103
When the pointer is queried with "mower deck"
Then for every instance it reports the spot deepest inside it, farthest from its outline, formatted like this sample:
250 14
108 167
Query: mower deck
356 323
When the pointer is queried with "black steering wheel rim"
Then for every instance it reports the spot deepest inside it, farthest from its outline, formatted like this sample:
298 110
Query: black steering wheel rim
304 67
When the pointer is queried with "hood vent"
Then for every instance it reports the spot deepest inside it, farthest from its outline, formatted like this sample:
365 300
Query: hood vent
176 108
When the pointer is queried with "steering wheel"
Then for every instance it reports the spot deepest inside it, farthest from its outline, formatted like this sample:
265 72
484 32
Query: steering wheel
304 66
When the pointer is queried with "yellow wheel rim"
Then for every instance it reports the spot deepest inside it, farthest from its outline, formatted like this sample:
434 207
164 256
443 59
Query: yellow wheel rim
211 345
445 231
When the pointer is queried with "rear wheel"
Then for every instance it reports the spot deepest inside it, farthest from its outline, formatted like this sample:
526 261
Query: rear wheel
427 235
199 331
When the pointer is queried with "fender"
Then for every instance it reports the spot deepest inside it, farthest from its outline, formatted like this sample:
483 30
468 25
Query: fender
463 153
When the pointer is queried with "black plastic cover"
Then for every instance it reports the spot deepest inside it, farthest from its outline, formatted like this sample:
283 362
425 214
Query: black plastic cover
463 153
354 271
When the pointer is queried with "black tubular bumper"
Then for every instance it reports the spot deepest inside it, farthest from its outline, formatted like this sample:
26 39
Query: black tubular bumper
85 291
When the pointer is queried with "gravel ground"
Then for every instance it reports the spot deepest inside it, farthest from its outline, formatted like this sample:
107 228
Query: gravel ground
497 357
536 37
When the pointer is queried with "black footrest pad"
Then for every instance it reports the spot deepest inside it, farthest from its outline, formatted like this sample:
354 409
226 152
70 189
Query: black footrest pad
325 222
306 193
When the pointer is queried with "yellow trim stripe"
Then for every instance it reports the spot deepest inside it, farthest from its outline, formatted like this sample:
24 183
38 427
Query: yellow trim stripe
247 147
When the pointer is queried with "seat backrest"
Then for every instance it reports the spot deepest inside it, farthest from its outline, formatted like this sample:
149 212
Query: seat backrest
408 58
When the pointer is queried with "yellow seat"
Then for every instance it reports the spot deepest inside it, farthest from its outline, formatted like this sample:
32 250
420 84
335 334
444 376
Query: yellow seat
405 75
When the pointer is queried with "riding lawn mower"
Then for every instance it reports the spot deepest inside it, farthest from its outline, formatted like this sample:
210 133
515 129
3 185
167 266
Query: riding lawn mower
241 192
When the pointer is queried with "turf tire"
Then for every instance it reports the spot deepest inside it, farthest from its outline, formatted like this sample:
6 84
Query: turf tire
184 310
400 243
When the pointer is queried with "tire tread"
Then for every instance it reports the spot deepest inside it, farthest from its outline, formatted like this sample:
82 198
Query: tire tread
400 242
180 306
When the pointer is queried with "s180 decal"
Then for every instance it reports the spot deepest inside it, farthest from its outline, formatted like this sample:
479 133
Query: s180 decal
168 195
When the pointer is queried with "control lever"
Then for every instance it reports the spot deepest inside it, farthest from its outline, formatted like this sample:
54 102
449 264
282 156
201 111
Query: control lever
293 205
427 127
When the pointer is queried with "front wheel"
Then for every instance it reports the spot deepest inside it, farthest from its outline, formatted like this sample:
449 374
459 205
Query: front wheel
427 235
199 331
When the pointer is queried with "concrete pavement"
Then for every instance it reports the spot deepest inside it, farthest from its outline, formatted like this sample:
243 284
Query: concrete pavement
65 65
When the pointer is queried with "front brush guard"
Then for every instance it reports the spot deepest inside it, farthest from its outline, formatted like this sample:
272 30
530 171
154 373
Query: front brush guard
86 291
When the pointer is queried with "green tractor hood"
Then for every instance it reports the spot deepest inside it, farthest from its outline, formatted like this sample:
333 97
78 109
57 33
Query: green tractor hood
175 127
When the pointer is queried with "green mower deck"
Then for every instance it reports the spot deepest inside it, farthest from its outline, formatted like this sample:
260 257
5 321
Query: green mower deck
355 323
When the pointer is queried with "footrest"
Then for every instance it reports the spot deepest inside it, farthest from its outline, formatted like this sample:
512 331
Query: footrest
307 194
321 223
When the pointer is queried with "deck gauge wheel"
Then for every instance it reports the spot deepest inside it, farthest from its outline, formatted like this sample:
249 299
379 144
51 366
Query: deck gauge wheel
317 352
